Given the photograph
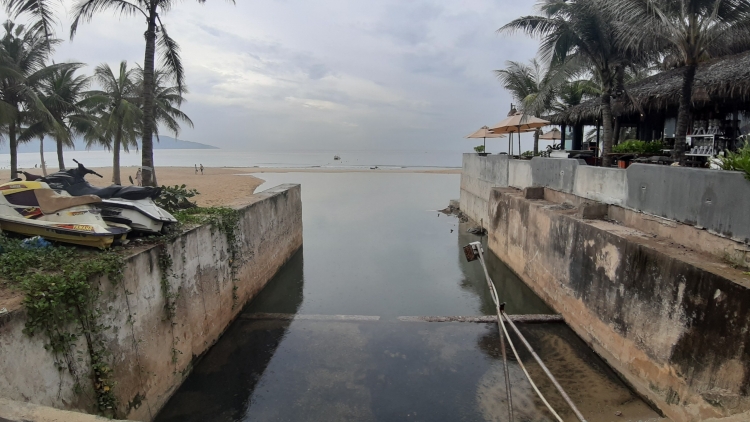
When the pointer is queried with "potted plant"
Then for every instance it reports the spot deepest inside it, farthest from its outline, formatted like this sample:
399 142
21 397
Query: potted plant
480 150
527 155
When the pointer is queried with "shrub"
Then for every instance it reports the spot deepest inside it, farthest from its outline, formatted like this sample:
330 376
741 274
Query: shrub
479 149
528 154
175 198
635 146
739 161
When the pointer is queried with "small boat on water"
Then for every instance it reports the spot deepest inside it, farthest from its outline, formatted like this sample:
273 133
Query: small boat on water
336 157
31 208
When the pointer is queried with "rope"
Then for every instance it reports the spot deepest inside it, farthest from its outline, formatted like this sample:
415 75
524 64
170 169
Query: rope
500 313
546 371
500 309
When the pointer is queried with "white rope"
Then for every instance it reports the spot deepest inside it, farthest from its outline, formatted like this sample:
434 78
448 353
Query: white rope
495 299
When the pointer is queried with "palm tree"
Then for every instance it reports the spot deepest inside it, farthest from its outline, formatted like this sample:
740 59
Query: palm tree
167 100
157 37
62 93
118 115
686 31
577 35
525 82
574 92
24 52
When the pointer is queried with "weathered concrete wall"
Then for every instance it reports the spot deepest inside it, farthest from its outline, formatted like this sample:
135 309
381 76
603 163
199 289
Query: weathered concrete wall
716 200
479 175
555 173
602 184
519 174
151 353
709 199
675 324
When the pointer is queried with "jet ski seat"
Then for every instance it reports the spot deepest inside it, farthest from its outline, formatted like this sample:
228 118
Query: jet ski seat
132 193
51 202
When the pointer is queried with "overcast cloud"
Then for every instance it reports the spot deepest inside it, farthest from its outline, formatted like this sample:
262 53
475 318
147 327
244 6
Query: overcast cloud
328 74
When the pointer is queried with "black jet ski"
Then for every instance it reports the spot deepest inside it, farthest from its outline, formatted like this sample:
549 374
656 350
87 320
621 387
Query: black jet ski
130 205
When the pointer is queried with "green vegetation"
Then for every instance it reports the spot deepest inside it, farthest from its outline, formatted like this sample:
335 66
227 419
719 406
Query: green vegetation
594 48
62 305
682 33
116 112
227 220
39 98
635 146
157 38
739 161
528 154
176 198
479 149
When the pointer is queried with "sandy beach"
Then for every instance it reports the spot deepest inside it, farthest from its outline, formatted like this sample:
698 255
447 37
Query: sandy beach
224 186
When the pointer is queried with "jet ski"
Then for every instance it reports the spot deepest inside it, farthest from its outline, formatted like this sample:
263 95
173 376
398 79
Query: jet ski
130 205
33 209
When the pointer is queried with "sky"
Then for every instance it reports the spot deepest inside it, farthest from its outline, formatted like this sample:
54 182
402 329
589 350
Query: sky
333 75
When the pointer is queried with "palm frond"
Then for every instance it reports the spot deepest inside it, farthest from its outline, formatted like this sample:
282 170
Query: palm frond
84 10
40 10
170 52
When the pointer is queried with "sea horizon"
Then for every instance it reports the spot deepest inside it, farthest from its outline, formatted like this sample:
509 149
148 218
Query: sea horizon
251 159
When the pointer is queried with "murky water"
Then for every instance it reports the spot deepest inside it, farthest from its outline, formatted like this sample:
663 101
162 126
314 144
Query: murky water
375 247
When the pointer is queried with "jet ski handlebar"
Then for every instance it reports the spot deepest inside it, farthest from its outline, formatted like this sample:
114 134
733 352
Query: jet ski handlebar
85 171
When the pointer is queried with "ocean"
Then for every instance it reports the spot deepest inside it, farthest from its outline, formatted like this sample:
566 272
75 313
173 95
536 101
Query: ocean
237 158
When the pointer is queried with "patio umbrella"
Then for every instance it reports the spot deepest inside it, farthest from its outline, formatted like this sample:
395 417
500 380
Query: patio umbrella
484 133
518 123
552 135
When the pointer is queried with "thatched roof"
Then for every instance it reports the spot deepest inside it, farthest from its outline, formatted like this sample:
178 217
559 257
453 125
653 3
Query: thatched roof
720 80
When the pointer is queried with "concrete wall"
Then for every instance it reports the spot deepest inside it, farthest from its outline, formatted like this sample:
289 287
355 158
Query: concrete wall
479 175
674 324
519 174
714 200
151 354
602 184
555 173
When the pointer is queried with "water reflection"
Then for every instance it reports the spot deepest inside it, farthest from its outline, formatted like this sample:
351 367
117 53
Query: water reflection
372 247
220 385
519 298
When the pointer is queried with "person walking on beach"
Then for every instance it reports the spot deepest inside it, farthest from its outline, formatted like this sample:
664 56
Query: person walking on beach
196 169
138 177
201 169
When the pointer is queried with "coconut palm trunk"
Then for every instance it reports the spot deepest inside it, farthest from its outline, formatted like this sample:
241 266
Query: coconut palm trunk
606 129
116 158
536 142
41 155
60 157
683 113
12 142
147 148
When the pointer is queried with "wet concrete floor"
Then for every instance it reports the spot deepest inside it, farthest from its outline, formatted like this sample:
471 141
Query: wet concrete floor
373 247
